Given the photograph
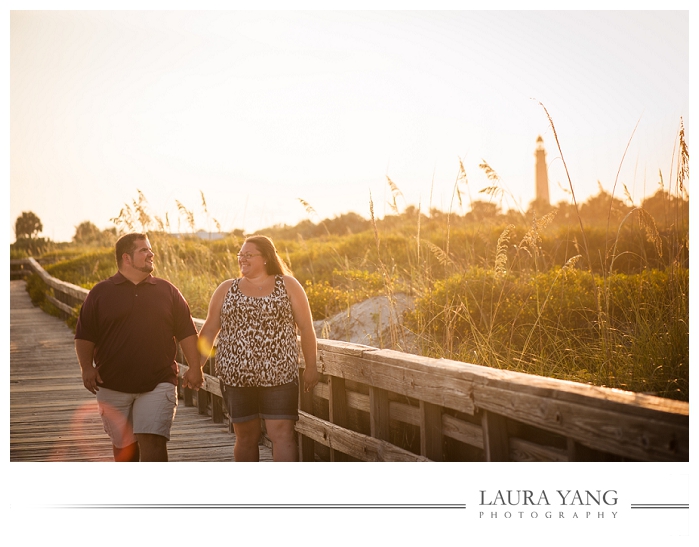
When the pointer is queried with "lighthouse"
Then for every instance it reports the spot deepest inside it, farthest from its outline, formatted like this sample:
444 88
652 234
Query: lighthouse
541 175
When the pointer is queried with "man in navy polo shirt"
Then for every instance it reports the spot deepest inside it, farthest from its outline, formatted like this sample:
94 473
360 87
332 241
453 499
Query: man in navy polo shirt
126 341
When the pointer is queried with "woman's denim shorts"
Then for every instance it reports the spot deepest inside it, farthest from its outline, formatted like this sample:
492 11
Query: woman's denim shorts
272 403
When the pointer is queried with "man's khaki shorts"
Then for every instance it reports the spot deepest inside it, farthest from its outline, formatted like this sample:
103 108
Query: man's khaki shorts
125 415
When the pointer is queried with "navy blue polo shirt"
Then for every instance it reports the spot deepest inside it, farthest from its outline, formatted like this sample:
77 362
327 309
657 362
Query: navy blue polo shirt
135 329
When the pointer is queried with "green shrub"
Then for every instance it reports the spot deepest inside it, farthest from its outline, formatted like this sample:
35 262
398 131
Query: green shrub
85 269
625 331
606 303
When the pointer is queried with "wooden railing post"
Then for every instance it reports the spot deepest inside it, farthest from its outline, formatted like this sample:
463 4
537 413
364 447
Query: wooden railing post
216 409
379 420
203 402
306 444
495 439
216 400
203 396
431 439
338 411
188 397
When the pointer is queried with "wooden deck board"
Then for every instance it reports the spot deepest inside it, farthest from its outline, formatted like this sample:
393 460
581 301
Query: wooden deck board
54 418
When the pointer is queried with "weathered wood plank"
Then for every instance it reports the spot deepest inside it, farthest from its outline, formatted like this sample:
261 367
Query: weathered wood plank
431 387
462 431
628 435
361 447
522 450
611 399
65 308
70 289
459 430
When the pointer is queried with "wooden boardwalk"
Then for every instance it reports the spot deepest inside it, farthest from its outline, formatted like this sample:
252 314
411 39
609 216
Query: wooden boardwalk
371 405
54 418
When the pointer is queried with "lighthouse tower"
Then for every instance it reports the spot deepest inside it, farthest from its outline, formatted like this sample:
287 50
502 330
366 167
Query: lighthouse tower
542 177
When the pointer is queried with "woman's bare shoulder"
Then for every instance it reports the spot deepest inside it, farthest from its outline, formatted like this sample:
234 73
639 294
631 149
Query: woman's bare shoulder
291 282
224 287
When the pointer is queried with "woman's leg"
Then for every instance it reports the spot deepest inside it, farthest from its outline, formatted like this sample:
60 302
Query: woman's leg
283 436
247 438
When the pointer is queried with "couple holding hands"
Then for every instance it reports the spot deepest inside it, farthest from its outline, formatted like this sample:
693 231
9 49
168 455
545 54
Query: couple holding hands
126 340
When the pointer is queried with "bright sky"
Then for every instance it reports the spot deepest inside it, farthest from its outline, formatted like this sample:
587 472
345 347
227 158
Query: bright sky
258 109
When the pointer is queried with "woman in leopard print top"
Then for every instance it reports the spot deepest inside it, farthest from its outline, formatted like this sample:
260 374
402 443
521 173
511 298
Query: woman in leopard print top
257 341
256 317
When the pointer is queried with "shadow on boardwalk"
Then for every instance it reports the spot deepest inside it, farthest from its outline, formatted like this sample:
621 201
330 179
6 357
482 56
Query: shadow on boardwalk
54 418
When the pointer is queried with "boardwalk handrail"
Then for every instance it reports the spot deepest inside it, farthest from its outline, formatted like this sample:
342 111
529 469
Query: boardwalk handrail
384 405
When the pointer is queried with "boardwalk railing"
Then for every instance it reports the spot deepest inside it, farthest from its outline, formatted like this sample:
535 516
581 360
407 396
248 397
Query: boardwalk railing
384 405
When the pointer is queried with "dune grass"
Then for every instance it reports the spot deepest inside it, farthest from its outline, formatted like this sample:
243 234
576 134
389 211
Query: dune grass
594 292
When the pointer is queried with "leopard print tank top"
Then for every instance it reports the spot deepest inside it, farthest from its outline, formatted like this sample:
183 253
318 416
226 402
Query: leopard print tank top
257 343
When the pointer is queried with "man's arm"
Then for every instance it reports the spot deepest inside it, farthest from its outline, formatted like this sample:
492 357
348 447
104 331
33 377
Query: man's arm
194 377
85 351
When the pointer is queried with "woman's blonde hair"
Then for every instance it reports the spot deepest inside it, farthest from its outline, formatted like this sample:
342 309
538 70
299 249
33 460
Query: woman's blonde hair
274 264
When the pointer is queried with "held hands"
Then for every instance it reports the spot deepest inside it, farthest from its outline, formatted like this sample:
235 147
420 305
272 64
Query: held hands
310 378
91 377
193 378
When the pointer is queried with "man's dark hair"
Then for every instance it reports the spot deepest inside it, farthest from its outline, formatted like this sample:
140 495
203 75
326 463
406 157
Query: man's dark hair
126 244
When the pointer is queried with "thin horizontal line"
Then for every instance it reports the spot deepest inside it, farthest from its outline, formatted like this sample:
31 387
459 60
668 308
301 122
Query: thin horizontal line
659 506
260 506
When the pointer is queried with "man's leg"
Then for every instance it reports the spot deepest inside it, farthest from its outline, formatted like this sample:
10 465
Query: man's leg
153 413
115 409
153 448
127 454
